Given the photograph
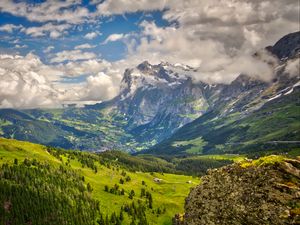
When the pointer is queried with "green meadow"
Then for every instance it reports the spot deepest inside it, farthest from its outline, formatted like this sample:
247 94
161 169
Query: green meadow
168 192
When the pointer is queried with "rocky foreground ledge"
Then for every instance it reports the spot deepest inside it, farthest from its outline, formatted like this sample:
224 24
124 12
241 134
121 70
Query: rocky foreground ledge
263 191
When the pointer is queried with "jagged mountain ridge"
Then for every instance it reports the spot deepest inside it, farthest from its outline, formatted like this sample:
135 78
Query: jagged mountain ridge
158 99
287 47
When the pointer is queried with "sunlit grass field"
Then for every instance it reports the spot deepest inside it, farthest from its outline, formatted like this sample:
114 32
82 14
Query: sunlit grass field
168 194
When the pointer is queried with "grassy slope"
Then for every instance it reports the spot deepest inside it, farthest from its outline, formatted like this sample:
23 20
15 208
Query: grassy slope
233 157
169 194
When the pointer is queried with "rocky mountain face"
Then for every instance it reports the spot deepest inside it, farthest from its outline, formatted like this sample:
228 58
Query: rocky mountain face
156 100
246 94
264 191
287 47
248 112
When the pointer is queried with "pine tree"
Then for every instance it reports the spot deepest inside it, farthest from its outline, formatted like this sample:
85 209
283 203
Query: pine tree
89 188
131 194
143 192
122 192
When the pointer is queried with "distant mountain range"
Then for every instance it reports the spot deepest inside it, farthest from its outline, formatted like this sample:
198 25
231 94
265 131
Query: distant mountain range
162 110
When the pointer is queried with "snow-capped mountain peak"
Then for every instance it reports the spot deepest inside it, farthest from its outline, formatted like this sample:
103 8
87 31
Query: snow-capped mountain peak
146 75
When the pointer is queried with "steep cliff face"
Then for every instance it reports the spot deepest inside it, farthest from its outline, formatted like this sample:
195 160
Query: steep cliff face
265 191
156 100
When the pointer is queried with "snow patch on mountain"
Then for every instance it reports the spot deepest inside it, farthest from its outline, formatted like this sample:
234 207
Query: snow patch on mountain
277 96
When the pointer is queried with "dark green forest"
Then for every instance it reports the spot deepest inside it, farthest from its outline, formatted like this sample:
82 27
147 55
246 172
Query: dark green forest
35 193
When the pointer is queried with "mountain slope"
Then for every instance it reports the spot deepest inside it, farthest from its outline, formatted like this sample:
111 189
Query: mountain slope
77 128
26 197
276 121
248 115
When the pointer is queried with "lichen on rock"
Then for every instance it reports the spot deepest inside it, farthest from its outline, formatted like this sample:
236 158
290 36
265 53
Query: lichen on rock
263 192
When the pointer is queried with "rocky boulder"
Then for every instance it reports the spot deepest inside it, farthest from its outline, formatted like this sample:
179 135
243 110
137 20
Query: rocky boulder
264 191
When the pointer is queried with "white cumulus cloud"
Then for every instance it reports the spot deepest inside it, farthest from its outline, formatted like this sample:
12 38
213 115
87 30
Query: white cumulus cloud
84 46
113 37
54 30
110 7
62 11
26 82
21 84
90 35
72 55
10 27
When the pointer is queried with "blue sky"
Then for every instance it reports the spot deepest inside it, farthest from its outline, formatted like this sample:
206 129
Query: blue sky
59 51
128 23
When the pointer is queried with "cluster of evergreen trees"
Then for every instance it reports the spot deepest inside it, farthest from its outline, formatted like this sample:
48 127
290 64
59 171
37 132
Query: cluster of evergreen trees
114 190
199 166
137 211
148 196
35 193
125 179
86 159
188 165
114 219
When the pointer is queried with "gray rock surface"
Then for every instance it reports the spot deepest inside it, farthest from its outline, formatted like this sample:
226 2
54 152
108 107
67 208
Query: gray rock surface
253 194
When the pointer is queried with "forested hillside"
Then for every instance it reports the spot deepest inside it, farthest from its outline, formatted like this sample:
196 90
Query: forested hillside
44 185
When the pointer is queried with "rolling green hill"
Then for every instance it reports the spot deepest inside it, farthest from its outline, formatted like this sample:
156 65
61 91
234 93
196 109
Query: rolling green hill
65 177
